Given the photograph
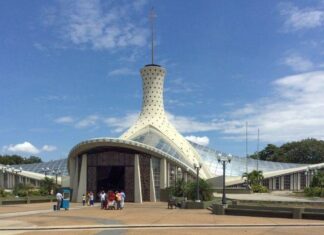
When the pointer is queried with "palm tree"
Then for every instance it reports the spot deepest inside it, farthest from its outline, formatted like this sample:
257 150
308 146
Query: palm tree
47 185
254 177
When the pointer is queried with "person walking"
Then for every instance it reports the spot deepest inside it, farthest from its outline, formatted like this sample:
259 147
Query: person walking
59 198
83 200
111 200
118 199
122 201
91 197
102 196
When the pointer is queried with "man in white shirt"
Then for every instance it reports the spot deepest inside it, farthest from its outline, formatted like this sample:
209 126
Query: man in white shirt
59 198
102 198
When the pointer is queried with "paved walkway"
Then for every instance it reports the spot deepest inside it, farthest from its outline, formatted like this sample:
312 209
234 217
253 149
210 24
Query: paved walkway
146 218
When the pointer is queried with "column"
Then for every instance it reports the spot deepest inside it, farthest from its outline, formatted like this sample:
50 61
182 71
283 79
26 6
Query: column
282 183
274 180
11 177
168 174
298 181
163 173
82 189
74 177
185 176
137 180
152 184
1 179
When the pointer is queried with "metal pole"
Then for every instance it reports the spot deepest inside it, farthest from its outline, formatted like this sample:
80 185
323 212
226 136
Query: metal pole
224 196
246 146
258 150
198 184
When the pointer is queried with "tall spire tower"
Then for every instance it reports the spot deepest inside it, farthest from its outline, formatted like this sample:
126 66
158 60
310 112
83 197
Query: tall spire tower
151 17
153 120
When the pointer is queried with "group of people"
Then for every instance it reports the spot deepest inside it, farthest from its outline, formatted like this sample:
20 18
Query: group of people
89 199
109 200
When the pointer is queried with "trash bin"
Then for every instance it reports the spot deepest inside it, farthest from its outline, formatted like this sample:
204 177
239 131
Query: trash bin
54 207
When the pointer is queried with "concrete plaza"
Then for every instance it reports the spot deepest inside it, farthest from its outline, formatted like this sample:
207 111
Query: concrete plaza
146 218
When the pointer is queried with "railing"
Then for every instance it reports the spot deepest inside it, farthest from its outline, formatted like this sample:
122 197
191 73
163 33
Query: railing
26 200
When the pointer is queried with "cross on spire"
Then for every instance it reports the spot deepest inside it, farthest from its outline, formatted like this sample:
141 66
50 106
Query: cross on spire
152 16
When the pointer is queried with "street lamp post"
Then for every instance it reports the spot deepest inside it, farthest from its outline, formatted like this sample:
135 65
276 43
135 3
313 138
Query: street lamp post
173 176
224 159
5 170
197 167
182 181
15 172
309 175
45 170
56 172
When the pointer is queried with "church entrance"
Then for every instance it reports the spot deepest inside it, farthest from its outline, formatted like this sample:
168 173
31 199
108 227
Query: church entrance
111 178
113 169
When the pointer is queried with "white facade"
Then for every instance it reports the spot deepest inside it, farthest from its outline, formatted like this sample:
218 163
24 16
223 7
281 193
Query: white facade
153 117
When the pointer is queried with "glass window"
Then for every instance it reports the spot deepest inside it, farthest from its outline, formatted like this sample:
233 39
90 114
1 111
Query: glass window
287 182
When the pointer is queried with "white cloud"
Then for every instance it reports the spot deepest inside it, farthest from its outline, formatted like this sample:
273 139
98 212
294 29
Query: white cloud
204 140
87 122
49 148
295 111
122 72
179 85
99 24
297 19
189 124
298 63
40 46
24 147
27 147
122 123
139 4
64 120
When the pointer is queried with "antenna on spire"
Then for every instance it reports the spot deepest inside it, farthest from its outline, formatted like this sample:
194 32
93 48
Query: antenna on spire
151 17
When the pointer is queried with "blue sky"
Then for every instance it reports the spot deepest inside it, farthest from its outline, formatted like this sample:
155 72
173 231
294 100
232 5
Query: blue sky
69 71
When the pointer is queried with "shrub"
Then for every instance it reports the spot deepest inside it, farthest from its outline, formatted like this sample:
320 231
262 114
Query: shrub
314 192
318 180
43 192
2 193
23 190
257 188
205 190
34 193
189 190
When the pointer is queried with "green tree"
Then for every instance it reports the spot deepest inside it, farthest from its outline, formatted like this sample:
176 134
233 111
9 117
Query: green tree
17 160
205 190
318 180
11 159
32 159
180 188
46 186
308 151
254 177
